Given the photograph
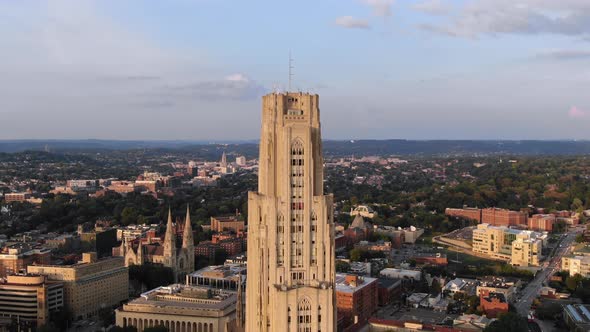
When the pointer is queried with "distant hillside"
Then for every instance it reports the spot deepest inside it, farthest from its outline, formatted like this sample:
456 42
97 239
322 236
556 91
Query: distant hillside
331 147
455 147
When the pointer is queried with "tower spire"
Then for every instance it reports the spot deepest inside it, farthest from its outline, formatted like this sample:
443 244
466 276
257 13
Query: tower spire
187 236
290 70
223 162
169 237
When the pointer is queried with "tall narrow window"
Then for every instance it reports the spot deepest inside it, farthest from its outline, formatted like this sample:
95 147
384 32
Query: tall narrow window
304 316
313 242
280 240
297 205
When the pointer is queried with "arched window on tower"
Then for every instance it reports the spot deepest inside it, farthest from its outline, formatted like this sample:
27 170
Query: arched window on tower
304 315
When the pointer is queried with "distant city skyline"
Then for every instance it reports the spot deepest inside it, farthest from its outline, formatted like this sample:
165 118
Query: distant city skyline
385 69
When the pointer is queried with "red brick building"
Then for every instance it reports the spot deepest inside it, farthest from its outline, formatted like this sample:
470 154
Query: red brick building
356 298
466 213
232 245
16 258
16 197
340 242
541 222
389 290
492 303
354 235
206 249
502 217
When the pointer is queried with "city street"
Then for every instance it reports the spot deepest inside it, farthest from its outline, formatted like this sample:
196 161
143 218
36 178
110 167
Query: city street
531 291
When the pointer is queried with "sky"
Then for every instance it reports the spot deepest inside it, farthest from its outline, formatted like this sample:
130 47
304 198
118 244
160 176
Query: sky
196 69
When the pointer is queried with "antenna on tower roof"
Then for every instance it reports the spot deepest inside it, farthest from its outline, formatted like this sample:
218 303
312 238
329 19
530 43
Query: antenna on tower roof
290 69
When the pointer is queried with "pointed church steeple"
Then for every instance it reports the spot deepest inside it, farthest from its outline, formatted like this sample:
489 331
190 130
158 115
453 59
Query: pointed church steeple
169 238
223 162
140 253
188 244
187 236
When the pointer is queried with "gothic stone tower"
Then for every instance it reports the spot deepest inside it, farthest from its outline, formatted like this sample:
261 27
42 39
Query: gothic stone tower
291 276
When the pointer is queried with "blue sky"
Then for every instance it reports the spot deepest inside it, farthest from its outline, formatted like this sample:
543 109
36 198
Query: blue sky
196 69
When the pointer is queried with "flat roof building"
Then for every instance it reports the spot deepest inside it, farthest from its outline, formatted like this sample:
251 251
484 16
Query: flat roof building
356 298
519 247
14 259
576 265
503 217
180 308
577 317
90 284
393 273
30 298
227 223
224 277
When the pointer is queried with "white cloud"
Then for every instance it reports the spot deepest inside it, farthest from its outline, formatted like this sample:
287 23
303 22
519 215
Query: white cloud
66 64
380 7
352 23
233 87
433 7
563 55
528 17
237 78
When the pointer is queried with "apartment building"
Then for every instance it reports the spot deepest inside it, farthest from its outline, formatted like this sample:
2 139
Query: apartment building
356 298
91 284
30 298
15 258
519 247
503 217
575 264
541 222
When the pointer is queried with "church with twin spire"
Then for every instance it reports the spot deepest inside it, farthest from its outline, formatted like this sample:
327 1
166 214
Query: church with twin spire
166 253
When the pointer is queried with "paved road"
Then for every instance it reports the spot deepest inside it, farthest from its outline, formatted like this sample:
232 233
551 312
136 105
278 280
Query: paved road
531 291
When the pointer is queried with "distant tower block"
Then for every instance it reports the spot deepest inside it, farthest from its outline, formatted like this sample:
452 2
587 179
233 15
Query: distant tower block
291 277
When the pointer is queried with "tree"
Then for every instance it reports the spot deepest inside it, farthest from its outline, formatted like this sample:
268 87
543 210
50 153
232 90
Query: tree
572 282
508 322
151 275
107 316
549 310
435 288
577 205
342 266
129 216
49 327
356 255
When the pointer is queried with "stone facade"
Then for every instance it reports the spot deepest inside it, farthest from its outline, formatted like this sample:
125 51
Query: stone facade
291 274
31 298
181 308
90 284
181 260
519 247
